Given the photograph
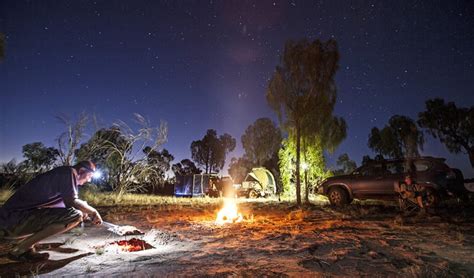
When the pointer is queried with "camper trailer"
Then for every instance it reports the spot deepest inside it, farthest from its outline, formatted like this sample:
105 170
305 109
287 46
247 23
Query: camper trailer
195 185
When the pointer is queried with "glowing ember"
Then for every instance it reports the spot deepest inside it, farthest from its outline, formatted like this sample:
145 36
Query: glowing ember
229 213
132 245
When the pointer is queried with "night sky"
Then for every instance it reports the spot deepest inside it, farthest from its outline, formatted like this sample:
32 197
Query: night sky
206 64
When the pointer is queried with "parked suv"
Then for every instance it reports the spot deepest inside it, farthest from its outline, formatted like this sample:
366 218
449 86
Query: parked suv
376 180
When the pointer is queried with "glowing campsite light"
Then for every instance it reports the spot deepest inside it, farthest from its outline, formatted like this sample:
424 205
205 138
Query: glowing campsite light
229 213
97 174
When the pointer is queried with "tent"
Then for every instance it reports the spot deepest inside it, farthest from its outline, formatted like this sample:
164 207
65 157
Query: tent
260 180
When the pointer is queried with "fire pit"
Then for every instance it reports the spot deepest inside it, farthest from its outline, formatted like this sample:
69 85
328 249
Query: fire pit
229 213
131 245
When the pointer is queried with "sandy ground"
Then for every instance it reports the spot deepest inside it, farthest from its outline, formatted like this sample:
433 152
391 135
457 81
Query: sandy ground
273 240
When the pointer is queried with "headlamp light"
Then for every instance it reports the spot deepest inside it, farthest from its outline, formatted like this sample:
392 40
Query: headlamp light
96 174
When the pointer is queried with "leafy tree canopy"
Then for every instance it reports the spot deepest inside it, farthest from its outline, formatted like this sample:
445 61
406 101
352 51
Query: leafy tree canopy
303 93
346 165
119 151
261 140
239 168
185 168
39 158
399 138
159 162
210 152
312 159
103 146
452 125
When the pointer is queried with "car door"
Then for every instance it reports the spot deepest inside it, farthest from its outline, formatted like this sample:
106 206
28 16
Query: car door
395 170
370 181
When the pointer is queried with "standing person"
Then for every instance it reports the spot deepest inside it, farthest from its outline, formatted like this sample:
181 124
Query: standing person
47 205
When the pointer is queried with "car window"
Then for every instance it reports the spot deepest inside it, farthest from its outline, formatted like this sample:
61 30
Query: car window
422 166
373 170
395 168
366 171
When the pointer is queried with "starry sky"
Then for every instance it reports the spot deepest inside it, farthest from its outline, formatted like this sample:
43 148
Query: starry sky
206 64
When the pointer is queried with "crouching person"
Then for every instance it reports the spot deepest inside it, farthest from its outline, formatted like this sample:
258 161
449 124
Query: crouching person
47 205
410 191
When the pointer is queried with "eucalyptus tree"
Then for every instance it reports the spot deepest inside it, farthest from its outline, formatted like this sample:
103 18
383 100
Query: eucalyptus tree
398 139
185 167
38 157
239 168
452 125
70 140
120 150
346 164
210 152
261 140
302 91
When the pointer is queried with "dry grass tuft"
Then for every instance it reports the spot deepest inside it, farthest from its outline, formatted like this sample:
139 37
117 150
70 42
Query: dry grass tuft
106 199
5 194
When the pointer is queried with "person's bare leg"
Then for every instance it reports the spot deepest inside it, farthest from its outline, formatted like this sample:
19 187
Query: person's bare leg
51 230
420 202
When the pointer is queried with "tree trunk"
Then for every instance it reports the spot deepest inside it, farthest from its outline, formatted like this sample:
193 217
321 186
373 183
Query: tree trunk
298 179
306 187
119 185
471 157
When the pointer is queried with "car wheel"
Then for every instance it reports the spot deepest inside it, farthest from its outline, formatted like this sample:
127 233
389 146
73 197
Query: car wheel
431 198
338 196
253 194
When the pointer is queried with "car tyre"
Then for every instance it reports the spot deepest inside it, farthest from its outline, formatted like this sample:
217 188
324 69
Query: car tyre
252 194
431 198
338 196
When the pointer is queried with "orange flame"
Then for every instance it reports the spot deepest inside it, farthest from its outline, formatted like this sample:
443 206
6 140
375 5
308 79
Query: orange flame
229 213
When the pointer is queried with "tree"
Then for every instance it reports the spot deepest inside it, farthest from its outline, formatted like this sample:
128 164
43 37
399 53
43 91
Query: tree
303 93
160 162
453 126
312 164
400 138
272 165
346 165
261 141
70 139
239 168
39 158
211 150
118 150
104 148
13 174
185 168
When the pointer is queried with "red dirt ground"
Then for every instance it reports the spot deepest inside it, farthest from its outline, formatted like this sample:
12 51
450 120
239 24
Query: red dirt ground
275 239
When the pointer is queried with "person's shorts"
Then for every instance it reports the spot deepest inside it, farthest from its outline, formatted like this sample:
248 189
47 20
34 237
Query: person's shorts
32 221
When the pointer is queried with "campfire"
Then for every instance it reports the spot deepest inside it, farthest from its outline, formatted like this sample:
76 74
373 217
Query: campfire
132 245
229 213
